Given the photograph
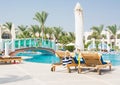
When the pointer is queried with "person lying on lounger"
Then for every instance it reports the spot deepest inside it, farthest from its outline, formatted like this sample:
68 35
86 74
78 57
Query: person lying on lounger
67 59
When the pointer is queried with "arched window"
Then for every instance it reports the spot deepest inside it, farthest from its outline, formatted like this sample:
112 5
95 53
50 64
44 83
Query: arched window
6 35
112 37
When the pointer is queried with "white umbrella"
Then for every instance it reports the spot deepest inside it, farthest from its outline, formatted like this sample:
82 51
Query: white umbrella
92 45
70 44
79 27
103 46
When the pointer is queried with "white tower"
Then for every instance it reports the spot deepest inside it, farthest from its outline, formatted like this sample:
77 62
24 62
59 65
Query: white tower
13 37
79 27
1 43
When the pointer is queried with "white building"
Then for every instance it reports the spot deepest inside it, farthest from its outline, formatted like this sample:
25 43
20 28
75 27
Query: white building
109 39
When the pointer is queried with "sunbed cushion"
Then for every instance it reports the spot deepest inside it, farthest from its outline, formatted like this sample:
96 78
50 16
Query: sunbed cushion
102 61
76 59
81 60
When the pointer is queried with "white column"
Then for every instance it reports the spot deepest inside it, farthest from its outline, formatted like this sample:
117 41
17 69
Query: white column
13 45
24 43
19 44
13 32
1 45
6 49
79 27
53 45
0 31
30 43
13 38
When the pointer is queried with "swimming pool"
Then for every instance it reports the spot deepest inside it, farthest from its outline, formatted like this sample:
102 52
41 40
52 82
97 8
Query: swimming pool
114 58
38 56
44 56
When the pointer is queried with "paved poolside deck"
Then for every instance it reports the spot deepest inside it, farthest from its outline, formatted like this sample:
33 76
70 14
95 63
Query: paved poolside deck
40 74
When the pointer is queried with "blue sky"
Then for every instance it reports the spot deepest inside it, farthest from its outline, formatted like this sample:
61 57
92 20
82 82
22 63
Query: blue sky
61 12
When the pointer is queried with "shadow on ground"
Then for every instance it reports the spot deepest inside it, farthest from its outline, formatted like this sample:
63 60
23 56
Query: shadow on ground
13 78
85 71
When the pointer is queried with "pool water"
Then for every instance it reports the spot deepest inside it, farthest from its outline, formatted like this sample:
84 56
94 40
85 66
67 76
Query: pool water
114 58
39 56
44 56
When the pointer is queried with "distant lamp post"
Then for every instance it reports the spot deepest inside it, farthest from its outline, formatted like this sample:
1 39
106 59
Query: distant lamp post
108 37
102 44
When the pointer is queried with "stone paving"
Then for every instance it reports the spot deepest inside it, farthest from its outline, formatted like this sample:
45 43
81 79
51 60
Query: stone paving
40 74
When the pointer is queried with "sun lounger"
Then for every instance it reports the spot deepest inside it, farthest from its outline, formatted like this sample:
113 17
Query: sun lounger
93 60
10 59
61 55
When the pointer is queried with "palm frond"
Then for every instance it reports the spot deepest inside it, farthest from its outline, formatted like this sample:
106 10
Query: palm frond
8 25
113 29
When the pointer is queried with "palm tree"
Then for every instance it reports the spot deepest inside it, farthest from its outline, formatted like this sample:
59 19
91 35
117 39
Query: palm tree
118 36
22 32
104 36
98 30
22 28
41 18
38 29
113 29
95 35
8 25
25 34
33 30
57 32
45 32
64 40
63 33
72 36
50 32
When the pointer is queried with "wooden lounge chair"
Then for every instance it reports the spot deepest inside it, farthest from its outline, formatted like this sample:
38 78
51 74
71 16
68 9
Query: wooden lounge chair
62 54
10 59
93 60
16 59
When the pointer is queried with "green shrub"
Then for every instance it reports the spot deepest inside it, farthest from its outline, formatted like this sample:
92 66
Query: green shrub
70 48
86 45
115 47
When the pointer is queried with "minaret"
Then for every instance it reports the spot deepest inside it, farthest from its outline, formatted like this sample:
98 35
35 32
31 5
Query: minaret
79 27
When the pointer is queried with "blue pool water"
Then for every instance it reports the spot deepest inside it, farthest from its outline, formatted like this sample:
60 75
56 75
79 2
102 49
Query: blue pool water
39 56
114 58
44 56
